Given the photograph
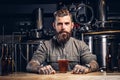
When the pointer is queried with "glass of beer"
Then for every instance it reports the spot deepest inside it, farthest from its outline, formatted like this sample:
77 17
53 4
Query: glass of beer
63 64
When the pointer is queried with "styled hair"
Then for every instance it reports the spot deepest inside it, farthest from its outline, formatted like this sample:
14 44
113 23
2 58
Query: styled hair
62 13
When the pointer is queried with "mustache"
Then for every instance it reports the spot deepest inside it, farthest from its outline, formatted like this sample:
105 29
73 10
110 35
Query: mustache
63 32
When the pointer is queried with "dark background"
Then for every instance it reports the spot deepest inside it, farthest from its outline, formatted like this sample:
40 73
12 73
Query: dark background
17 15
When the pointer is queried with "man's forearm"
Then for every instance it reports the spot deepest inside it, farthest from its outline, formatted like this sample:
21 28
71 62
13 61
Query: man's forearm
33 66
93 66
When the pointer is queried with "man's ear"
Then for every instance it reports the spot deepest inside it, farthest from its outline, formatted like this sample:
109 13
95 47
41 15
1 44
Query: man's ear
53 24
72 25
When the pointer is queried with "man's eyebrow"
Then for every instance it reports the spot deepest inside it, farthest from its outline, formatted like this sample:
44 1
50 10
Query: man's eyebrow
67 22
59 23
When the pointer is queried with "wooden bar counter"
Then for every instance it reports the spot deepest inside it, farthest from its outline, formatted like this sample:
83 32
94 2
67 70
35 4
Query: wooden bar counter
62 76
103 32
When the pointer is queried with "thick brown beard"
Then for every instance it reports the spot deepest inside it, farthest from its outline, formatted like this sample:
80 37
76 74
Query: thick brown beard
63 37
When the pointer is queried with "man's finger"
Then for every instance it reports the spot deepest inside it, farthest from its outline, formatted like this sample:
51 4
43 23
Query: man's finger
42 70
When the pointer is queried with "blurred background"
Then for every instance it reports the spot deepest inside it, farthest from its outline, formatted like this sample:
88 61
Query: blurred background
24 23
16 16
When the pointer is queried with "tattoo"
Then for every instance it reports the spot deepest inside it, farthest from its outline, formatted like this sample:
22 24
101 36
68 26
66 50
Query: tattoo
94 66
33 66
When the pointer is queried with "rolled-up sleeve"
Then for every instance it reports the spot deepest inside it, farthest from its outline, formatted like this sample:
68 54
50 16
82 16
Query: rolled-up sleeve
40 54
86 55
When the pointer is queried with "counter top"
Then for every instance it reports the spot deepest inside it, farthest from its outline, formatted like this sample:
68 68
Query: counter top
103 32
62 76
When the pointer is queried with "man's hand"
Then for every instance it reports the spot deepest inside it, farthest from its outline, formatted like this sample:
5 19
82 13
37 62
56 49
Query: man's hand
46 70
79 69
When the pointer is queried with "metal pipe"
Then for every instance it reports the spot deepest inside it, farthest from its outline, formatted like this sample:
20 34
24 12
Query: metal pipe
102 12
38 18
104 50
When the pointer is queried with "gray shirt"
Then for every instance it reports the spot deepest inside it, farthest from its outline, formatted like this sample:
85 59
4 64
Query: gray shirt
76 51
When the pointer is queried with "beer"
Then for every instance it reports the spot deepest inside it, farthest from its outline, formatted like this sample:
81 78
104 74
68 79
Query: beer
10 60
4 60
109 59
119 57
63 65
119 63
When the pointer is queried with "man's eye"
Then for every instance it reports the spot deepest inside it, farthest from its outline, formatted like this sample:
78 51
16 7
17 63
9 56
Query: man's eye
67 23
59 24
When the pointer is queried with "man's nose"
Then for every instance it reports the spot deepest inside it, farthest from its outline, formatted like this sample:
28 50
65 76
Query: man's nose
63 26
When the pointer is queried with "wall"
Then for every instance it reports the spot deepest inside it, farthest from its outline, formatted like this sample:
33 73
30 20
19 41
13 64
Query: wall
12 16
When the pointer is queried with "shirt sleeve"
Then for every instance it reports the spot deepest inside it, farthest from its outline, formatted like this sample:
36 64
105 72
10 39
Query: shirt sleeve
85 54
40 54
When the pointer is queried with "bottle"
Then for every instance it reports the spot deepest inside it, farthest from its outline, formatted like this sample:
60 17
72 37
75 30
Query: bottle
108 59
4 62
10 60
118 57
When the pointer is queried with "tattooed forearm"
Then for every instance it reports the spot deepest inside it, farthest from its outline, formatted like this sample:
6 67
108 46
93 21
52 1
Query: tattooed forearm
94 66
33 66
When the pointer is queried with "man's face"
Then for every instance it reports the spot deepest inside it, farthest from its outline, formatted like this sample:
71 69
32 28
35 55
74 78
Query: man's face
63 27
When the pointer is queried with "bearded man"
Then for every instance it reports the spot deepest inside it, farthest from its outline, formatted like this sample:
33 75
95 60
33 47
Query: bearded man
45 58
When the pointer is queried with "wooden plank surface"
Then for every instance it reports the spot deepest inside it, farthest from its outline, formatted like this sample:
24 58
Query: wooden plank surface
103 32
62 76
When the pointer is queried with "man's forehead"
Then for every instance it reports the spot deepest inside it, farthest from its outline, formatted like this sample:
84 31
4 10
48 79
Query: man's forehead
67 18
